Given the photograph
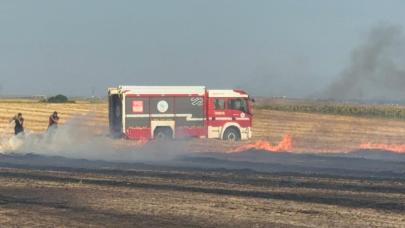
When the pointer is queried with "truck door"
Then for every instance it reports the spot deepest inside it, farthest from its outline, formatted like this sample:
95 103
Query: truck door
238 110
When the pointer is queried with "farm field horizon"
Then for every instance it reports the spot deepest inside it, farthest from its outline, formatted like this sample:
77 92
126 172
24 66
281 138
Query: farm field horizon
309 132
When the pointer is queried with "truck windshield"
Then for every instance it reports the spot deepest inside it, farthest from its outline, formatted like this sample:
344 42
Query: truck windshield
238 104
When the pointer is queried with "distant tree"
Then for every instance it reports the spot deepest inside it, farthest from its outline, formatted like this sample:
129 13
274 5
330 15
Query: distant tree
58 99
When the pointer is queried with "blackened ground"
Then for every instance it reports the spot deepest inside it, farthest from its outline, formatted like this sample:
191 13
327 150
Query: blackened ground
362 163
255 188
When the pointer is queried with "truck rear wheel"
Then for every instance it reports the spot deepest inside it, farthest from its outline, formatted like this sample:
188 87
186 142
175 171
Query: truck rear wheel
163 133
231 134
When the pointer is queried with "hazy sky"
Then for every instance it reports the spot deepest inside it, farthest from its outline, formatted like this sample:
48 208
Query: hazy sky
276 48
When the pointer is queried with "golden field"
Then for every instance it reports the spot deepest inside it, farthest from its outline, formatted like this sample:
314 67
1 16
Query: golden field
252 189
36 114
311 132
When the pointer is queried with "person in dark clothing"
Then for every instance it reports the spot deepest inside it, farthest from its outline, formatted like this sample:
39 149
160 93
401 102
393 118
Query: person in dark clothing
19 124
53 120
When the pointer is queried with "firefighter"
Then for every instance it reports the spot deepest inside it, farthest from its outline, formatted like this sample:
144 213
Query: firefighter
53 121
18 124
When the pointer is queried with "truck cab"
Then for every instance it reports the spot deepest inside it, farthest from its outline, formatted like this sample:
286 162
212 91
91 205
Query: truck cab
229 115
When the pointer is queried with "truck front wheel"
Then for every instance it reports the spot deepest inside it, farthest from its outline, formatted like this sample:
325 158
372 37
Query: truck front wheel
231 134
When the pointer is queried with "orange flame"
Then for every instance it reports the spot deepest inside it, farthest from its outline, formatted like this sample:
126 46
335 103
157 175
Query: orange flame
397 148
284 145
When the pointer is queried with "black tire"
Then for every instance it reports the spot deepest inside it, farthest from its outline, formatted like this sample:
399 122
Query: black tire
231 134
163 133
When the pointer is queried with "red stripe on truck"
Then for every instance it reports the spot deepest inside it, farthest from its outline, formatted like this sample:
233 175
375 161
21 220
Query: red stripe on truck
138 133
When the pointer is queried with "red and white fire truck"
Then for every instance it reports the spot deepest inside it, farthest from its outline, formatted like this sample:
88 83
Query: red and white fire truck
148 112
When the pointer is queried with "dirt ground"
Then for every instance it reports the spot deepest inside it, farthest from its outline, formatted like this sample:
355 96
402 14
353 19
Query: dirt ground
209 188
33 193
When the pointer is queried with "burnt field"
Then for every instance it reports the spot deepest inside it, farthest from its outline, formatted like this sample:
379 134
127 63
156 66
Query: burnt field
205 190
82 178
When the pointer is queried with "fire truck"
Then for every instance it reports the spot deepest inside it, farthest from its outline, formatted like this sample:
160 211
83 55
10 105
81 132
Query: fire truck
168 112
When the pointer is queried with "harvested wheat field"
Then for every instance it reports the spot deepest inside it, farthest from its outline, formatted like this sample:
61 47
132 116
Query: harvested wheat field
36 114
205 185
310 132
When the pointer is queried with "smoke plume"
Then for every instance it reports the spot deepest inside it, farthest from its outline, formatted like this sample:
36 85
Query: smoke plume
76 140
377 68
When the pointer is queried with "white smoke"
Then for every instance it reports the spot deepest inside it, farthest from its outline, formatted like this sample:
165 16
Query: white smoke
77 140
71 140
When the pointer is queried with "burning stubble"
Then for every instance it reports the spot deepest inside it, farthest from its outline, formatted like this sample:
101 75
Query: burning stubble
285 145
75 139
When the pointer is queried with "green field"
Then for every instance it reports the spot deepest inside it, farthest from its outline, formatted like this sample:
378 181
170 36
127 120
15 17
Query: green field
388 111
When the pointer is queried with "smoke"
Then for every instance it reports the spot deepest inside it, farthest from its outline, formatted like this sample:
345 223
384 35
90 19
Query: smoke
77 140
376 70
